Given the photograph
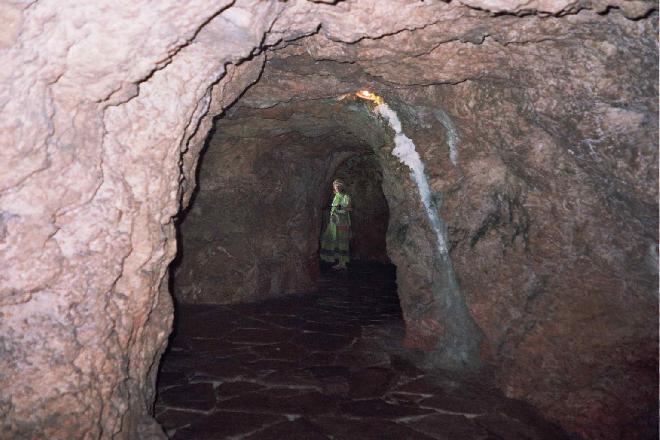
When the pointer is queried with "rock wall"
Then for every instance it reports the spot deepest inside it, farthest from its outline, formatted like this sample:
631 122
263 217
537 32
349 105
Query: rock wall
551 206
92 146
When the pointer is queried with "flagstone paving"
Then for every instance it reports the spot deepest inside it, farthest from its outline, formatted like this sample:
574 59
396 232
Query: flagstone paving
327 365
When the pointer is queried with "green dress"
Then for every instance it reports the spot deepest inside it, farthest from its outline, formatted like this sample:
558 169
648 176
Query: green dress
335 240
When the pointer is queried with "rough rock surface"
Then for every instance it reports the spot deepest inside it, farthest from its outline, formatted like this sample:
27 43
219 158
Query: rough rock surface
551 208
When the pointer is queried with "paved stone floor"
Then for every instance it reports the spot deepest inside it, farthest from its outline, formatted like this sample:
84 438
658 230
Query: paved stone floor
327 365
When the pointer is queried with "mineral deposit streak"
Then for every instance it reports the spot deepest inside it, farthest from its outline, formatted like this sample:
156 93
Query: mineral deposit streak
405 151
451 134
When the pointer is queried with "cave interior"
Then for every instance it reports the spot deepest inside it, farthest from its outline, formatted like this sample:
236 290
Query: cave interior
161 209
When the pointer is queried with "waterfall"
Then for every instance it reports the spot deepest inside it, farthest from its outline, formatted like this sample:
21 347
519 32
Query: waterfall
405 151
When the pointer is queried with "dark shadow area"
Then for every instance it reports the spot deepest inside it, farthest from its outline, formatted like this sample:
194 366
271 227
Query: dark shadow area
183 213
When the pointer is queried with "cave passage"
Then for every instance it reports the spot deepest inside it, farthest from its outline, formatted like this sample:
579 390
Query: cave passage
318 366
266 345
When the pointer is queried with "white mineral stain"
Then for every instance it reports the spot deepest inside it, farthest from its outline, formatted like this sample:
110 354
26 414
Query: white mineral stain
405 151
452 134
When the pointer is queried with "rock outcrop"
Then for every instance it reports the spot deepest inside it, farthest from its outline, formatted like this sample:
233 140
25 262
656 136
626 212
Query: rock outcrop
537 124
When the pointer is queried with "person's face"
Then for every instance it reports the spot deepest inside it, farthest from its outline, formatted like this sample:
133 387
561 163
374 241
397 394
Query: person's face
336 187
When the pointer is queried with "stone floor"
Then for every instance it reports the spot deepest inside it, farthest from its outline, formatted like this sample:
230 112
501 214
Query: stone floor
327 365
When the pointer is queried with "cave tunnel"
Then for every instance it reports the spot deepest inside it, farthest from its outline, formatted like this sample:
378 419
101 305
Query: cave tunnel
253 228
165 182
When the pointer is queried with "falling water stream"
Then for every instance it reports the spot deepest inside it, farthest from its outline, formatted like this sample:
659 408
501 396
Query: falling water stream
458 345
405 150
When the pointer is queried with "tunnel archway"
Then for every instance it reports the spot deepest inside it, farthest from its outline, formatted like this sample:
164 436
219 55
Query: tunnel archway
270 174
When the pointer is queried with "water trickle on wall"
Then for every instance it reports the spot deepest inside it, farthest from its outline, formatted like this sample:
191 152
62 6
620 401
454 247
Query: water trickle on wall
405 151
451 133
458 344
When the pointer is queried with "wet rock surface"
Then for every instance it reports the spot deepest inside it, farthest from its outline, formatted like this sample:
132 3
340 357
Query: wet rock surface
323 365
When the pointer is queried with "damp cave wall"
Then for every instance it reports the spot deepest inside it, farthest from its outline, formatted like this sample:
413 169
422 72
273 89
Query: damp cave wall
551 212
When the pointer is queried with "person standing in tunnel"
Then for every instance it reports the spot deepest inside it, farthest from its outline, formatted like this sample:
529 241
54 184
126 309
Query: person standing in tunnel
336 238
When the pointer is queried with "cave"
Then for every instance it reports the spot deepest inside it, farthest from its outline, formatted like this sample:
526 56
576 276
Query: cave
174 157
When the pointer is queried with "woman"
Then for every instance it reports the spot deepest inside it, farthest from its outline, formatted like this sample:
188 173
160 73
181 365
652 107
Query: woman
334 244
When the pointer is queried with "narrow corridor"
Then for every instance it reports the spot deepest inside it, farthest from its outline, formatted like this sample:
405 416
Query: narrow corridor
328 365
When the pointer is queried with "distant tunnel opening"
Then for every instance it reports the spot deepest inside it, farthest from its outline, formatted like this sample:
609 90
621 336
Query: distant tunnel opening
369 216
